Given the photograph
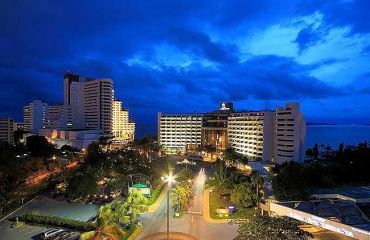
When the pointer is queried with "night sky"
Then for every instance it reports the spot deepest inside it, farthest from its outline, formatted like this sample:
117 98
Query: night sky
187 56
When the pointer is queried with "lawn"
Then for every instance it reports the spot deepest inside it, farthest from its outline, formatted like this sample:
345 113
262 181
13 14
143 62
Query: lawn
209 183
216 202
155 194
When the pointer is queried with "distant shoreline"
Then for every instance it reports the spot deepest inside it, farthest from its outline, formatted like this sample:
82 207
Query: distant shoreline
322 124
336 124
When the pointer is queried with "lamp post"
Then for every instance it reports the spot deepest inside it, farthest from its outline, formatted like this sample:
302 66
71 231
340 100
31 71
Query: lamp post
169 179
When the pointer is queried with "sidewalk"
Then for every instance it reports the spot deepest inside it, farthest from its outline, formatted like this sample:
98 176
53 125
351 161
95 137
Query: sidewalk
154 207
206 213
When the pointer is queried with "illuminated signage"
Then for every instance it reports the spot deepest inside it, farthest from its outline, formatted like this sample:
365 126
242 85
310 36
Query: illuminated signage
223 107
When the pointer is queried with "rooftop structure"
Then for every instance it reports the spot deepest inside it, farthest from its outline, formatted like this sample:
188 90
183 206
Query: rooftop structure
341 216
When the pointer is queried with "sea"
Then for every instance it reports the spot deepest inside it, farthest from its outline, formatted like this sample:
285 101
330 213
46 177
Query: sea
333 135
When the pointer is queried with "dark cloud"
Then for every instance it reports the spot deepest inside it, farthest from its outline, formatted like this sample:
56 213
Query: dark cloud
352 13
309 36
40 40
200 44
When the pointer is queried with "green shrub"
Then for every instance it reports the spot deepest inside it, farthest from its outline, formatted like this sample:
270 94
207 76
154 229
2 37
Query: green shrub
38 218
18 224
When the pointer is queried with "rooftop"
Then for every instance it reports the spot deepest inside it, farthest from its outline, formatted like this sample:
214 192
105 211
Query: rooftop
352 192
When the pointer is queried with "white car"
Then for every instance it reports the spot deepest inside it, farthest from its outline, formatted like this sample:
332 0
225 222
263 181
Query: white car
62 235
51 232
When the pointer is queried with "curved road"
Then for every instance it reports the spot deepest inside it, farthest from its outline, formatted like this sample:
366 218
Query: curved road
192 223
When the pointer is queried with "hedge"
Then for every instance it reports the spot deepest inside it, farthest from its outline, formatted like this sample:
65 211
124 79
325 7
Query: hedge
38 218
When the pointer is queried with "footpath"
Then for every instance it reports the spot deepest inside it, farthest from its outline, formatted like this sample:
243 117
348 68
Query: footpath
206 213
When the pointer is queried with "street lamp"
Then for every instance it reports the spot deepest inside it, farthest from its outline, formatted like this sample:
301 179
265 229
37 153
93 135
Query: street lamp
169 179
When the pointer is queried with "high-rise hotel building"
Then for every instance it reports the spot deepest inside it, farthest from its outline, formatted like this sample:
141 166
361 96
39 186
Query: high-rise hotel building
251 133
123 127
179 132
290 133
7 130
276 136
87 114
91 102
34 115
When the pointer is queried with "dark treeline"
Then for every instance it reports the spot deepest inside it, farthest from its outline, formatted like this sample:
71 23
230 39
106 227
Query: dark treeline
346 166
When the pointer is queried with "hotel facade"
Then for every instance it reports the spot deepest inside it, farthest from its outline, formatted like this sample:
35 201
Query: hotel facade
267 135
88 113
123 127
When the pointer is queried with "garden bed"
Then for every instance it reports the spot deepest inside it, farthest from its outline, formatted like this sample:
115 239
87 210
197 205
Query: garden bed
216 202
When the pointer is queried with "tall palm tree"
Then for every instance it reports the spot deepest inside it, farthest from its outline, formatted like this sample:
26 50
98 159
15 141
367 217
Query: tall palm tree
134 204
104 232
180 196
106 226
257 181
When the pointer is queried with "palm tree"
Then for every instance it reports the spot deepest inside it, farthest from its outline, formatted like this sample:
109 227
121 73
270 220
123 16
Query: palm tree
220 173
104 232
134 204
257 181
232 157
180 196
106 226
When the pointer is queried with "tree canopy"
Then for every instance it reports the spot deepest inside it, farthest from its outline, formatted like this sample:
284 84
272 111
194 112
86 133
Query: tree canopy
81 186
39 146
270 228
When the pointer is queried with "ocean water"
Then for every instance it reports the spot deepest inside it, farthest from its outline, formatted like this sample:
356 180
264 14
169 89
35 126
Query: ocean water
333 135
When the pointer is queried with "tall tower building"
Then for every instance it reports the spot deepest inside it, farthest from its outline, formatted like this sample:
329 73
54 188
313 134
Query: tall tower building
290 134
74 98
91 102
34 115
123 129
7 130
98 104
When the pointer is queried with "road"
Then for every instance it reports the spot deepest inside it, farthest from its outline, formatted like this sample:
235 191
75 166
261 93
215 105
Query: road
192 223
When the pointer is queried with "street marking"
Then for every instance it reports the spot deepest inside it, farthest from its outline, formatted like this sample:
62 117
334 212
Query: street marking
33 230
27 227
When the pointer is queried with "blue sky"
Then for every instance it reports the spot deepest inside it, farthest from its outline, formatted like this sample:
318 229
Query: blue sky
187 56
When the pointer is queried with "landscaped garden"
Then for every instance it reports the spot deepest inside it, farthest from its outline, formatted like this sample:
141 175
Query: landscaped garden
232 193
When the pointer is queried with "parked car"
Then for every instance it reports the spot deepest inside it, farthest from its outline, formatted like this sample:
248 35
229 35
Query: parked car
51 232
62 235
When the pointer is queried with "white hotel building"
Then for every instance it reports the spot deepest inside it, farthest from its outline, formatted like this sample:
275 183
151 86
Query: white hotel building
178 132
290 133
251 133
123 127
276 136
89 112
